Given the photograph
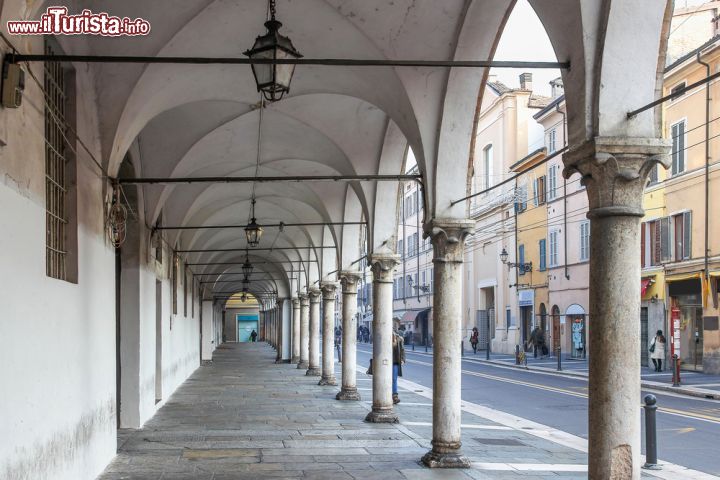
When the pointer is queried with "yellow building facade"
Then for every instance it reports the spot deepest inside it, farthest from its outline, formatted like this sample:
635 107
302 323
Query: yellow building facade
530 275
681 228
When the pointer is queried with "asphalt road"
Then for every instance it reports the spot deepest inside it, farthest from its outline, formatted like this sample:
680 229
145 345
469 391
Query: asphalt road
688 428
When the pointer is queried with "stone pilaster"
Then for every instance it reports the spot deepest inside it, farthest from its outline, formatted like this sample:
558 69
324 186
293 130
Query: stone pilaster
328 337
349 281
314 346
383 265
295 330
615 171
304 331
448 238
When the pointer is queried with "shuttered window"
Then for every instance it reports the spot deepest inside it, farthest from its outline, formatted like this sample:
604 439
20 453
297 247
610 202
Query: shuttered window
521 256
543 265
677 132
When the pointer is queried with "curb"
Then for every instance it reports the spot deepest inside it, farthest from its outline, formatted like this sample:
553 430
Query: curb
691 392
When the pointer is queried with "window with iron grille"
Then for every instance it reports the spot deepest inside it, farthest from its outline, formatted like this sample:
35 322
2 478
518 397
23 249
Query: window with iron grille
60 196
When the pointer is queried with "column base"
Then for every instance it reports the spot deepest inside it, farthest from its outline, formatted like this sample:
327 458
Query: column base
313 372
382 415
450 457
348 394
295 360
303 365
327 381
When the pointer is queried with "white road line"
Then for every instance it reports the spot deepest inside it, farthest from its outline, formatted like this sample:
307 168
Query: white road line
531 467
470 426
670 471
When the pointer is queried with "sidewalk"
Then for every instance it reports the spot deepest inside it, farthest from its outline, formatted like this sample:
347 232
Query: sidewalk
244 417
694 384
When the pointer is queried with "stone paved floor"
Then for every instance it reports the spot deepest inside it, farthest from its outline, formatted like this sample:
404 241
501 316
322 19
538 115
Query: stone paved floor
243 417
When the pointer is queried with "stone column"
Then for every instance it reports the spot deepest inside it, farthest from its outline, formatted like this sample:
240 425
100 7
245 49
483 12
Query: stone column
295 330
261 326
328 348
278 330
615 171
314 347
448 238
304 331
383 265
349 391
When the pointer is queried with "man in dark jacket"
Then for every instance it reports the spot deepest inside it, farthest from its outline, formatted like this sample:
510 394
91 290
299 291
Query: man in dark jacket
398 360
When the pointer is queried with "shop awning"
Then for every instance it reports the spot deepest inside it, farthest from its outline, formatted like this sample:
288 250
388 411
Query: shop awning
406 316
682 276
715 274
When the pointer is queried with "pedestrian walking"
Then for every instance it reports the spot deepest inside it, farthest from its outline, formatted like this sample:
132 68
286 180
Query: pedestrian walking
474 339
398 360
657 350
253 336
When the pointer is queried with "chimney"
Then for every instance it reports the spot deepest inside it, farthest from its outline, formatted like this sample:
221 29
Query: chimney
557 88
526 81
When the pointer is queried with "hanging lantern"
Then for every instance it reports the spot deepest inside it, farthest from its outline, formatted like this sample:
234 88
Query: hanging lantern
247 267
273 80
253 231
116 222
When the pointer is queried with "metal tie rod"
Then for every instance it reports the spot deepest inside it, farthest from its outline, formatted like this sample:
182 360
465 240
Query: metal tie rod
328 62
676 94
297 178
202 250
271 225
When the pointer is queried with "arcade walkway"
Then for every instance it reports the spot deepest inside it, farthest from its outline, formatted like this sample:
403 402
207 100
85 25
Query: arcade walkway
245 417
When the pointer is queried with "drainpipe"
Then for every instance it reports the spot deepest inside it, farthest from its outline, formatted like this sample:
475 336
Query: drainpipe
707 164
404 249
567 271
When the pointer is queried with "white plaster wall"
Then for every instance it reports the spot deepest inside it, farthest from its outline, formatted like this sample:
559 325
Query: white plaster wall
57 353
57 339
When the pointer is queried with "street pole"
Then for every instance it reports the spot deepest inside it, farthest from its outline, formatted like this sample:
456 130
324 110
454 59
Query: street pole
651 461
487 343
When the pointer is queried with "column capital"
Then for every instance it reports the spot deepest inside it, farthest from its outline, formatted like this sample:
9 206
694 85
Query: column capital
349 280
382 265
314 294
448 237
304 299
615 171
296 302
328 290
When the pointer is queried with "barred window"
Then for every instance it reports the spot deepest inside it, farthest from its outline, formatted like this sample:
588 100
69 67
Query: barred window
60 196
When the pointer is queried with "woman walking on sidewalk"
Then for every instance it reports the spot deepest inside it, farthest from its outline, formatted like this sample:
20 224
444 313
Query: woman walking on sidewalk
474 339
657 350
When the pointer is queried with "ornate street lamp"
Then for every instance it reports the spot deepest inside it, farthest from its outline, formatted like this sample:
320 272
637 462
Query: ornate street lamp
523 267
247 267
272 79
253 231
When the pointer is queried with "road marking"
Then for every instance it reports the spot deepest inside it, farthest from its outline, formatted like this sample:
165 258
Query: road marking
563 391
679 430
531 467
670 471
470 426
